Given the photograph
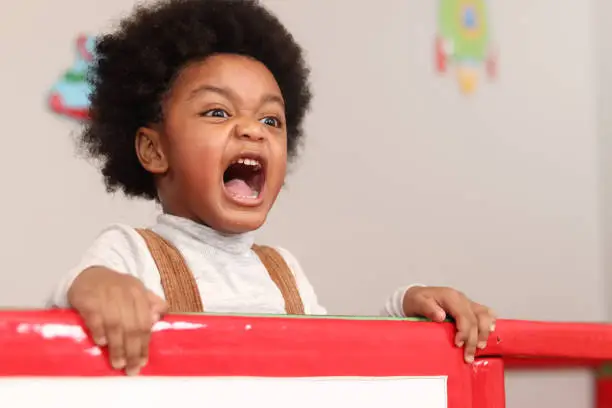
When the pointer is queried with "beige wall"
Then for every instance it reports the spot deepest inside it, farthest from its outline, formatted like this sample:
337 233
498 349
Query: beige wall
403 180
603 49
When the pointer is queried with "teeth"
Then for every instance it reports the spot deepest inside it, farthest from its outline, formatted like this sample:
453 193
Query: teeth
249 162
252 196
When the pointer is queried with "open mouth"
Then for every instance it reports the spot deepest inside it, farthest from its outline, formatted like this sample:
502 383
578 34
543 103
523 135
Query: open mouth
244 179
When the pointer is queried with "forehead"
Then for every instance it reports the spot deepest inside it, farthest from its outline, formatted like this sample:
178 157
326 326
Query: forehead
248 78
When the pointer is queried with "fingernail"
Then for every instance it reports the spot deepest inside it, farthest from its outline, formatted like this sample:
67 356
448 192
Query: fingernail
118 364
482 345
469 359
492 329
459 343
143 362
101 341
132 372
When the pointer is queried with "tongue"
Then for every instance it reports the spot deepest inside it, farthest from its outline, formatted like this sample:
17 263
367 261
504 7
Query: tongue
239 187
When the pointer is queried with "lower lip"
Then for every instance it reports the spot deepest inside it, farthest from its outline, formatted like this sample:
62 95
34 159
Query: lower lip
244 201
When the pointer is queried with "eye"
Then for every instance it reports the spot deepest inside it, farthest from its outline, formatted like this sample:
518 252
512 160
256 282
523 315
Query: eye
271 121
216 113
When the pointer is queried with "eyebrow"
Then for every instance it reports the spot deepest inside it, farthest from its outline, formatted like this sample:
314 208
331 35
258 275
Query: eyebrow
268 98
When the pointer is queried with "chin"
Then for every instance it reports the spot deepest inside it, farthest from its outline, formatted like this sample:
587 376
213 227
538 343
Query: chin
240 223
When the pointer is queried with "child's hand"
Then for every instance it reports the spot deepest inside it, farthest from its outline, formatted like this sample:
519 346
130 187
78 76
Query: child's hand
474 321
119 312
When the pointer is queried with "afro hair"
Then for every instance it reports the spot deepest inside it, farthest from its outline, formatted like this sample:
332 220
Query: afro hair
135 66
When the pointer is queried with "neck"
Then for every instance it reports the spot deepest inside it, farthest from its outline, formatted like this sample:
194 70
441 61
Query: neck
190 229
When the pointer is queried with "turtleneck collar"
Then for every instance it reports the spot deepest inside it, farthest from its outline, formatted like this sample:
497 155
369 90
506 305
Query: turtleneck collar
184 229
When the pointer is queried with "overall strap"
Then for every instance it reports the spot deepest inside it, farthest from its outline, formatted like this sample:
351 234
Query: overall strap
282 276
180 288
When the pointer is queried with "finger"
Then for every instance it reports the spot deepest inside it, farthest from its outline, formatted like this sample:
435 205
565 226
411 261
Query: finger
458 307
470 344
467 325
136 319
467 333
95 325
114 333
493 320
430 309
486 322
158 305
145 323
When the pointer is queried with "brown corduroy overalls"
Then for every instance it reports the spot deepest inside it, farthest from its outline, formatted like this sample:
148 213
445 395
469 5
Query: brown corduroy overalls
181 290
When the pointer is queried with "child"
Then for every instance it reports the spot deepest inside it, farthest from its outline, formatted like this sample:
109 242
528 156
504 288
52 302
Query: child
198 104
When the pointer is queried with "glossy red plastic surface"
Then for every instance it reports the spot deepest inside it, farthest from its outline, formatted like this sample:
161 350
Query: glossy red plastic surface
52 343
488 388
572 344
603 392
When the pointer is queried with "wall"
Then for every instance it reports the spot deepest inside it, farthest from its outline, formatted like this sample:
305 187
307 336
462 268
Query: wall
603 49
402 179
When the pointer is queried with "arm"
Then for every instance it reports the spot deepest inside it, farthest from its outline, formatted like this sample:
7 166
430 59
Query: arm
116 248
108 290
394 307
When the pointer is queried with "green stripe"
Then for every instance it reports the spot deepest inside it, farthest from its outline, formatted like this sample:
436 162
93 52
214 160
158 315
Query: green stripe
361 318
605 371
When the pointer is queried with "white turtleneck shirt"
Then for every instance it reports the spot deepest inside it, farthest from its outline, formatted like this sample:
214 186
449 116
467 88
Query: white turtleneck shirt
229 275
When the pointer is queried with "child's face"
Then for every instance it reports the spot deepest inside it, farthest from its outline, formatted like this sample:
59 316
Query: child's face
220 154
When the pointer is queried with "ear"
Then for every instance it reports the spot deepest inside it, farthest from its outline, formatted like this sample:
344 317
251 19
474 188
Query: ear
150 151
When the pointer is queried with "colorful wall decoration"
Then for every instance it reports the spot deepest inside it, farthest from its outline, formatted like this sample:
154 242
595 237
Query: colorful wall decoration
69 96
463 44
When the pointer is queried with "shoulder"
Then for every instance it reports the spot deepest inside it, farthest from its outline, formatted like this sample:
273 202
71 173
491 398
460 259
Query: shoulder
307 291
291 261
120 236
289 258
122 231
117 246
301 279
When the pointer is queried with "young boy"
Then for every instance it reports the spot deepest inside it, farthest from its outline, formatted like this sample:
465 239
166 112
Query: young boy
198 104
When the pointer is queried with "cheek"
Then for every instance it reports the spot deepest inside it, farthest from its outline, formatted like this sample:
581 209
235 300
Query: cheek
280 148
198 159
280 163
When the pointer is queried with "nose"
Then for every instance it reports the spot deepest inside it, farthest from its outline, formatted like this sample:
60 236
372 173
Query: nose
250 130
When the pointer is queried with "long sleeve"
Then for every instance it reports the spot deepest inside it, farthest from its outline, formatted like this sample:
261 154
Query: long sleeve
394 307
116 248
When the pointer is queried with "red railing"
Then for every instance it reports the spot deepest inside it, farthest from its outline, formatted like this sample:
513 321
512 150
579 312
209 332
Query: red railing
53 343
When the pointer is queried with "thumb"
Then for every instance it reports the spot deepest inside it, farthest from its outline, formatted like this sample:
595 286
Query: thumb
158 305
430 309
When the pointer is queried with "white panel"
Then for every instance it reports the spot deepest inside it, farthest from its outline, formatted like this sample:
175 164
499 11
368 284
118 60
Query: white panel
164 392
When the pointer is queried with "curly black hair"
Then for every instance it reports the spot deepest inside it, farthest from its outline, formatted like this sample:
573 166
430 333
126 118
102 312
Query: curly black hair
136 65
